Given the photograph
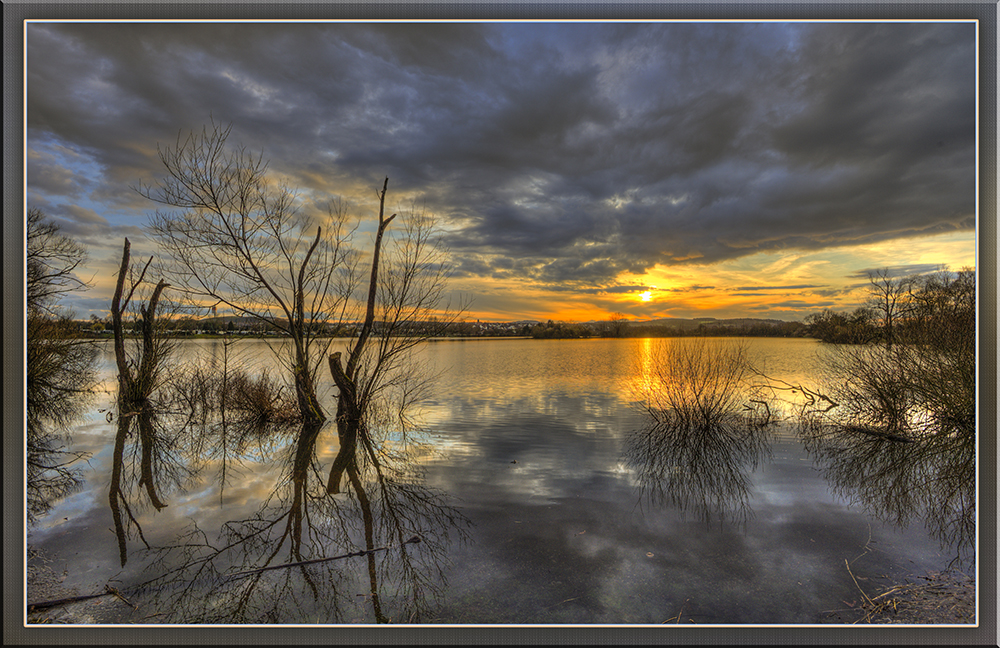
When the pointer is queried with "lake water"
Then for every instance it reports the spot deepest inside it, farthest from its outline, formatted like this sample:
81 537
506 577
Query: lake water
540 496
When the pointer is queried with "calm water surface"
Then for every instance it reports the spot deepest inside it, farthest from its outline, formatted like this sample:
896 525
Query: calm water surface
540 496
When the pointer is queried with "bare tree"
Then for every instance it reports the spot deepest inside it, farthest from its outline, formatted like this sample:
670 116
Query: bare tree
59 366
51 260
139 377
888 300
240 241
143 379
617 324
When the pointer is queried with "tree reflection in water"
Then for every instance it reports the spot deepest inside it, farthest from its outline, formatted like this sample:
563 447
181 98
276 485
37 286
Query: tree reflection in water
151 462
141 430
705 470
930 477
202 581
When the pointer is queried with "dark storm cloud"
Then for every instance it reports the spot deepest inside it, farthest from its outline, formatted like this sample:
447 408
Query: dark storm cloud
608 290
625 289
753 289
795 304
898 271
555 153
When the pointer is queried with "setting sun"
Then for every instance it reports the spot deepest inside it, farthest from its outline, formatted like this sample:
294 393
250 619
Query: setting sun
646 296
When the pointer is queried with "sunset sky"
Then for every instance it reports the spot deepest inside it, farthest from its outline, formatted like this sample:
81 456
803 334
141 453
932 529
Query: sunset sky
658 169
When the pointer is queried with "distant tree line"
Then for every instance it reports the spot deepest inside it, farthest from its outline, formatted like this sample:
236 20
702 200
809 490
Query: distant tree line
550 329
764 328
903 309
560 331
623 329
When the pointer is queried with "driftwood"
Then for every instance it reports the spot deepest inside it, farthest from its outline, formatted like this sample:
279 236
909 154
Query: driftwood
813 398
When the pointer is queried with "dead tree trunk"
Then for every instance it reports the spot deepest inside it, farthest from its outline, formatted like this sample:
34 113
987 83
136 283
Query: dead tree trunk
350 404
135 387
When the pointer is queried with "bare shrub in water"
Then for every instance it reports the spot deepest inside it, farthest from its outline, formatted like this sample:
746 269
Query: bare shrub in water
870 388
901 439
230 415
260 400
923 383
698 382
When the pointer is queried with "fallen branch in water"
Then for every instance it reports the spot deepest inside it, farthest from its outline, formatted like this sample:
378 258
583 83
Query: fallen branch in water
413 540
813 398
877 433
45 605
111 591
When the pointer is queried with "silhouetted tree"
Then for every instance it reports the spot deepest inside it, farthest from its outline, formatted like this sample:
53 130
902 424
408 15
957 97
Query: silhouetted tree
888 300
617 324
51 260
857 327
240 241
59 366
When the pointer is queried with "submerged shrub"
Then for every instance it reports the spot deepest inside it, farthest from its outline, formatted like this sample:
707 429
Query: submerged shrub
249 405
920 378
924 382
698 382
259 401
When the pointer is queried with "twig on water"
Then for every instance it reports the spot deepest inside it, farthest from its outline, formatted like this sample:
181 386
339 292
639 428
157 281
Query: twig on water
114 592
870 602
848 565
413 540
679 614
561 602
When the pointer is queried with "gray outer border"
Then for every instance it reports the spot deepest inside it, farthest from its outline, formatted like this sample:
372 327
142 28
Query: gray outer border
13 353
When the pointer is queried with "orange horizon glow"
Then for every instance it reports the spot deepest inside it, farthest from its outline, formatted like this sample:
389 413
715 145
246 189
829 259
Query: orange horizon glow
787 285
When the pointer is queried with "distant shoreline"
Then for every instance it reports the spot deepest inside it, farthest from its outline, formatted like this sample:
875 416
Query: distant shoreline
450 338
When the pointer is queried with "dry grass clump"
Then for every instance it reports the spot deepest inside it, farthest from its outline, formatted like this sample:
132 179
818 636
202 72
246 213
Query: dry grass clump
939 598
259 400
256 403
226 417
